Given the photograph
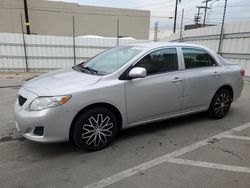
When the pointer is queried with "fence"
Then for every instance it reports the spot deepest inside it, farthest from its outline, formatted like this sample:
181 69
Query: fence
43 53
40 53
235 44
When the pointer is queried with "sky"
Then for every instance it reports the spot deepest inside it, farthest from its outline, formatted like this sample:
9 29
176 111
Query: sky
237 10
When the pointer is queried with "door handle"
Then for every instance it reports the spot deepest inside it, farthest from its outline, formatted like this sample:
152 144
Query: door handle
176 80
216 74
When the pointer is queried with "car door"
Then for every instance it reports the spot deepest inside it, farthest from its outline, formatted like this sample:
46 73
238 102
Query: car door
202 77
160 92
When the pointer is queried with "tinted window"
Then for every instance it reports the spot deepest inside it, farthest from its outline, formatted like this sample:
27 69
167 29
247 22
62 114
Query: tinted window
195 58
160 61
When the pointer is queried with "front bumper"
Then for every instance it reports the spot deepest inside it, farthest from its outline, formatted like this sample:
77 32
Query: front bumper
55 121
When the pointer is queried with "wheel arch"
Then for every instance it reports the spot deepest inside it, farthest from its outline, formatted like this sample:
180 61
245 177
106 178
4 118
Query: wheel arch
210 110
106 105
227 87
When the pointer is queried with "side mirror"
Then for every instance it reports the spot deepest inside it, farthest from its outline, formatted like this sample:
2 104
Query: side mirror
137 72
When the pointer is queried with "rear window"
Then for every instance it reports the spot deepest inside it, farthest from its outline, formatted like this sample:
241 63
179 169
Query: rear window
196 58
222 60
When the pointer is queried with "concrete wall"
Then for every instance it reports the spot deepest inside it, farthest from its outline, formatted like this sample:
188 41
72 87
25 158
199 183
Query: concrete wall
55 18
235 44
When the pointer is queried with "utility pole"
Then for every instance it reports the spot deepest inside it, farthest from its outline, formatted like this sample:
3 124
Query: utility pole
27 23
197 17
117 32
74 40
175 14
222 27
205 14
156 31
24 45
182 16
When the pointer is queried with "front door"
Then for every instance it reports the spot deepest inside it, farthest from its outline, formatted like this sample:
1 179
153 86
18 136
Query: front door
160 92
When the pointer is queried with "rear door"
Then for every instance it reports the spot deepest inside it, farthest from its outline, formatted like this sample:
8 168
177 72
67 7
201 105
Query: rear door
160 92
202 77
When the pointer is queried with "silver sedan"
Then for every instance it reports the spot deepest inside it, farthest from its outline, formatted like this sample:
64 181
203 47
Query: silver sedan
123 87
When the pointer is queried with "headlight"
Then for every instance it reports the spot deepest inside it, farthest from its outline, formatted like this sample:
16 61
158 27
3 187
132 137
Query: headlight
42 103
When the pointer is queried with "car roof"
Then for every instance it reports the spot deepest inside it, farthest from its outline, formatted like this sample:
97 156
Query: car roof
152 45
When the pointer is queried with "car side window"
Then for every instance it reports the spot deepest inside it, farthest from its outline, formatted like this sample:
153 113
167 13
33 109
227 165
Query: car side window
159 61
195 58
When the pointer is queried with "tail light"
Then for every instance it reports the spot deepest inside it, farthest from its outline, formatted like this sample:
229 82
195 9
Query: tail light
242 72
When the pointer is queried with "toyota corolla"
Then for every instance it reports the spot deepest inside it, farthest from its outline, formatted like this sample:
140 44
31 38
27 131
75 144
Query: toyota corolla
126 86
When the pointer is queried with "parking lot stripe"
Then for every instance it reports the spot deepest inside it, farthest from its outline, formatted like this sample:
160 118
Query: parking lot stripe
170 158
144 166
210 165
237 137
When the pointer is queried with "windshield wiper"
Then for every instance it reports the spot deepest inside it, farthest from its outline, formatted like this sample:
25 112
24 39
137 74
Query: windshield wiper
93 71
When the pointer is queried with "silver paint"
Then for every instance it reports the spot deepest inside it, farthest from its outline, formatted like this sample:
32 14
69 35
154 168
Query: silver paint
141 100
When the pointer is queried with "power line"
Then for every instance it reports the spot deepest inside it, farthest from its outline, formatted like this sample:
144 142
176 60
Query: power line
164 17
219 18
238 6
154 4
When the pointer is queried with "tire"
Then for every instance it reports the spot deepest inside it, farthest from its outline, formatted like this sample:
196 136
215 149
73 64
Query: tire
220 104
95 129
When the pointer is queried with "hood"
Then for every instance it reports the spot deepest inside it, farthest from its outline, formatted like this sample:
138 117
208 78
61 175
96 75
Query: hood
60 82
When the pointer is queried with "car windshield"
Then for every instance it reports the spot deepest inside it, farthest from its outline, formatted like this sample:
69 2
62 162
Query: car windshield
111 60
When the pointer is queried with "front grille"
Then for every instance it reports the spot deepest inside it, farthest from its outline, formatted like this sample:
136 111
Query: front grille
21 100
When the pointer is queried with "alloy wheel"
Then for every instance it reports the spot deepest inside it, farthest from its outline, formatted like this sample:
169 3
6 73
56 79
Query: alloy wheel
222 103
97 130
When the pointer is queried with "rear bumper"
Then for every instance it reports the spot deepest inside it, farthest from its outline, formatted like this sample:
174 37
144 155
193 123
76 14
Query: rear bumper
238 87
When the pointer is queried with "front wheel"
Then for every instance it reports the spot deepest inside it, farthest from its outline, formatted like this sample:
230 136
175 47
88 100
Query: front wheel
95 129
220 104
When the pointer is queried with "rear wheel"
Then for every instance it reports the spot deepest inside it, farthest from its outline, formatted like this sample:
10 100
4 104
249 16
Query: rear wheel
220 104
95 129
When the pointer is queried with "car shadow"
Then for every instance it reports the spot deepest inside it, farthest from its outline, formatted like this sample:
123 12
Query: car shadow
159 126
234 115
